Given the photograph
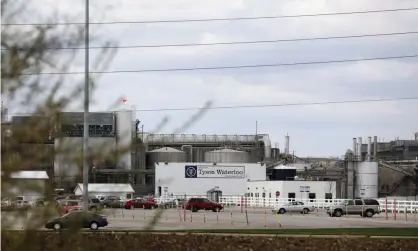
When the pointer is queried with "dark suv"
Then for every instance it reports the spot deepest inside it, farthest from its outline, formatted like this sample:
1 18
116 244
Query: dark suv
196 204
362 207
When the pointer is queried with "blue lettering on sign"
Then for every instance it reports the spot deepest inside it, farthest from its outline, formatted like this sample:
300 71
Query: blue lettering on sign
190 171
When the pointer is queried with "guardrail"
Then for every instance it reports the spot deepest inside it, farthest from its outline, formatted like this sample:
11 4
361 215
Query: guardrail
389 205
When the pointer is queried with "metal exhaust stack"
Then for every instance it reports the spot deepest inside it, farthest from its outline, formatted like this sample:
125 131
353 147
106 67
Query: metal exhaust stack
354 148
375 146
369 149
286 144
359 152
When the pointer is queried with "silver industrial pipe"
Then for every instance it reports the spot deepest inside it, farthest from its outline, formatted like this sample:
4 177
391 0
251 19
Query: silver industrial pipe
359 150
86 113
355 148
374 146
369 149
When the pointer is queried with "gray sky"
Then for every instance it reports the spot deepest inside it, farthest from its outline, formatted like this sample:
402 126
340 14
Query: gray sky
314 130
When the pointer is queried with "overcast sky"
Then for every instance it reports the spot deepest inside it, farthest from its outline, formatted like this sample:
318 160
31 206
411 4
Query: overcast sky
314 130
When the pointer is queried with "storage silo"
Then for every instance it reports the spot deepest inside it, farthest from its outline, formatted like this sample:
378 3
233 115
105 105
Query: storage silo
283 173
366 180
167 155
227 156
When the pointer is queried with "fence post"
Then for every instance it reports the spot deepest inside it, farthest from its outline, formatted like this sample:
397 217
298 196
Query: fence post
204 216
265 218
406 212
242 205
346 210
184 212
394 209
386 209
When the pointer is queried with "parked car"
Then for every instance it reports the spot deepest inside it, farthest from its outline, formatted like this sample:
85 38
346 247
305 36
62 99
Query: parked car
112 202
70 205
140 203
196 204
173 203
94 203
78 219
293 206
362 207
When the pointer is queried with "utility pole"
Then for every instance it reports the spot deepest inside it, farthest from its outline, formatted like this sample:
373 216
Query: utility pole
86 113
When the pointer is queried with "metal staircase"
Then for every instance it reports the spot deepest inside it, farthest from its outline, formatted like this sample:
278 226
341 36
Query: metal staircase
395 168
396 185
394 165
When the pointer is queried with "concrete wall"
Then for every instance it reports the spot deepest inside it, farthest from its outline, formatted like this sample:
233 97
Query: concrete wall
69 149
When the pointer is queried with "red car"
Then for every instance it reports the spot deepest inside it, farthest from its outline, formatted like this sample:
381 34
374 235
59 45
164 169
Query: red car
140 203
196 204
70 205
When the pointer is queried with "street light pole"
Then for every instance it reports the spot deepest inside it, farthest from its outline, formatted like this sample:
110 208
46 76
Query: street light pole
86 113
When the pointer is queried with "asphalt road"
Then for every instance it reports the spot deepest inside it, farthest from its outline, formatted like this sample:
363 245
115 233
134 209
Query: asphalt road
172 219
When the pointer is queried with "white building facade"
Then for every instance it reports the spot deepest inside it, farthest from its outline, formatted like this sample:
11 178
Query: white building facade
293 189
206 179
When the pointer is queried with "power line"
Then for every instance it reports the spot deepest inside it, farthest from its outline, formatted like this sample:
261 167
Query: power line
226 67
215 19
230 43
381 100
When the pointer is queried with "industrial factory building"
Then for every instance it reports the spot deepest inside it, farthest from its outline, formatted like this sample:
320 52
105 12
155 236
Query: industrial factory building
214 165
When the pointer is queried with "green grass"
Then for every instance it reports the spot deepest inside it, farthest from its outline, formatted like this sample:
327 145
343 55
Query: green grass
321 231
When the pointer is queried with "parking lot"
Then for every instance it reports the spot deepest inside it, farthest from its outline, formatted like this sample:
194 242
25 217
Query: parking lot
230 218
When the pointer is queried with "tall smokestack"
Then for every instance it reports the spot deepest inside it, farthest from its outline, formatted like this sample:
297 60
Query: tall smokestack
287 144
369 149
359 152
355 148
375 146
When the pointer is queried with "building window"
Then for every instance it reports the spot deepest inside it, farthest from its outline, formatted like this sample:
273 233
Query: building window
264 195
269 195
312 197
252 195
291 196
328 197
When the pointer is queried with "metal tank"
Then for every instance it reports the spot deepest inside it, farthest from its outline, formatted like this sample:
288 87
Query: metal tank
124 132
366 180
227 156
167 155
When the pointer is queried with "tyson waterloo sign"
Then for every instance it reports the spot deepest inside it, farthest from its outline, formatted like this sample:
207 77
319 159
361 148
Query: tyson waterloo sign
232 172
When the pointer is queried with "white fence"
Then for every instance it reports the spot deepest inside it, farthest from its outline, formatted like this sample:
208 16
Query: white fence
386 204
